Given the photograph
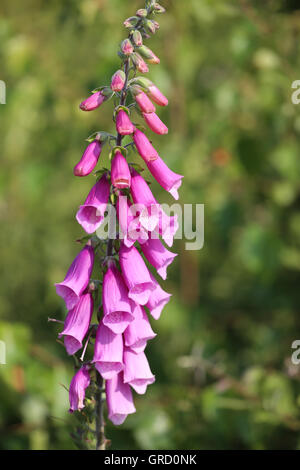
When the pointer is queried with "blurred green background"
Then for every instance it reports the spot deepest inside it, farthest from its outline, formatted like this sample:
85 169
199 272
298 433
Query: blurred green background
222 357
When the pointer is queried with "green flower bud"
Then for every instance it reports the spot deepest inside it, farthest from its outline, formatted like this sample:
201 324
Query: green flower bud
158 8
142 13
148 54
150 26
131 22
137 38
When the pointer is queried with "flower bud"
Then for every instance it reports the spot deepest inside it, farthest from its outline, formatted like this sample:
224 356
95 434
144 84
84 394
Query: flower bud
89 159
144 146
139 63
158 8
155 124
93 101
156 24
145 52
137 38
118 81
150 26
131 22
127 47
123 124
144 103
120 174
156 95
142 13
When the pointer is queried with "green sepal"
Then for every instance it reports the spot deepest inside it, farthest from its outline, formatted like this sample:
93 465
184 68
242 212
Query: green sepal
84 239
98 135
119 148
136 166
100 173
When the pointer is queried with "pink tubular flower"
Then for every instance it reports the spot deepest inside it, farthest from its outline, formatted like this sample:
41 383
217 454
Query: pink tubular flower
139 331
108 353
156 95
123 124
91 213
139 63
77 277
136 275
144 103
118 81
152 217
169 180
157 300
144 147
158 255
137 372
142 195
120 173
93 101
78 385
131 229
167 227
77 324
155 124
117 307
119 399
89 159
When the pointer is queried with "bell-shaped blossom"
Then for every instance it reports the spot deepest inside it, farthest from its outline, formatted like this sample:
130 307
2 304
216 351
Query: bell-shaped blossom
93 101
91 214
123 124
136 274
144 103
77 277
118 81
119 399
108 352
151 215
155 124
167 227
117 307
139 331
158 255
144 146
137 372
131 229
143 197
157 300
169 180
139 63
89 159
156 95
78 386
77 323
120 173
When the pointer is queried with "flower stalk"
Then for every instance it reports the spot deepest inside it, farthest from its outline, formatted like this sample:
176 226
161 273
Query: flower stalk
113 361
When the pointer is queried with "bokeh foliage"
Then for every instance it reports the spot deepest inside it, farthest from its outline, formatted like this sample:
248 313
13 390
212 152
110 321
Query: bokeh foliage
222 354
